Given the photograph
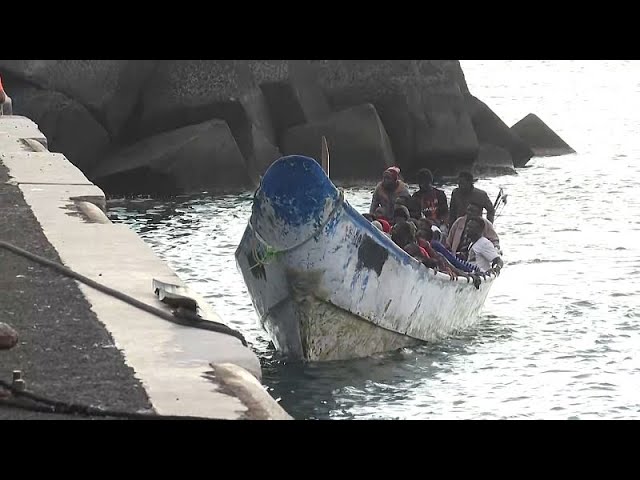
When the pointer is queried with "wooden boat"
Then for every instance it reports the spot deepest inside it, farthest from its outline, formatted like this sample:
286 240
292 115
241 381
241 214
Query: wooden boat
327 285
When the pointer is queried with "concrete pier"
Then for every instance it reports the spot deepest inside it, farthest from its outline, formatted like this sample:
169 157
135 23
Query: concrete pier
152 363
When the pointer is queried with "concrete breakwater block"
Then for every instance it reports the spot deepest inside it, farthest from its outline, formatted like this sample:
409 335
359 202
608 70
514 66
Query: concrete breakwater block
189 159
358 142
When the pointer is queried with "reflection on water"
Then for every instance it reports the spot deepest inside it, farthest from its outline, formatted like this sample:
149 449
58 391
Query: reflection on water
559 333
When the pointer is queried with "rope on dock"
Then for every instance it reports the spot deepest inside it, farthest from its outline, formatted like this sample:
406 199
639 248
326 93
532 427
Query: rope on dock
40 404
179 316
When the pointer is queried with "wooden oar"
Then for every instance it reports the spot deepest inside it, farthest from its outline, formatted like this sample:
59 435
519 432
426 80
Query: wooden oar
325 156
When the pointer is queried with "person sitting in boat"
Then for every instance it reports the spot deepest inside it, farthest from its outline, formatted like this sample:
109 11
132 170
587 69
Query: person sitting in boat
465 194
458 241
378 225
403 233
432 201
385 222
420 254
446 261
481 251
387 191
417 244
400 214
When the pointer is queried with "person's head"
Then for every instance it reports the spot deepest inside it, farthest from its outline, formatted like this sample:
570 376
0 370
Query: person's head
425 179
414 207
475 227
465 181
424 224
403 233
378 225
368 216
425 235
379 212
400 214
390 178
474 210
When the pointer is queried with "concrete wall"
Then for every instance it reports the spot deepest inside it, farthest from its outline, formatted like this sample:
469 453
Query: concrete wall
185 371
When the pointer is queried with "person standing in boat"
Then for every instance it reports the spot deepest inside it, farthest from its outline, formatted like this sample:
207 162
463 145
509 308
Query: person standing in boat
433 201
388 191
465 194
481 251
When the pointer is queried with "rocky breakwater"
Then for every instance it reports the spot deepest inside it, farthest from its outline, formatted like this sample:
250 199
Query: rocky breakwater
181 126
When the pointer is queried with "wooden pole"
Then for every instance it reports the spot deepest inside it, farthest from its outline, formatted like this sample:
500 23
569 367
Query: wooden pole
325 156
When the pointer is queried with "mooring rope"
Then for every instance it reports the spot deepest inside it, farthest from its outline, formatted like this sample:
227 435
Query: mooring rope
270 252
43 404
180 316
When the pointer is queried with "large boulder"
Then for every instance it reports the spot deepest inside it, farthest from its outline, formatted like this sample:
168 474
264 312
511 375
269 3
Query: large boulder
107 88
493 160
419 101
69 127
191 159
491 130
358 144
542 140
445 139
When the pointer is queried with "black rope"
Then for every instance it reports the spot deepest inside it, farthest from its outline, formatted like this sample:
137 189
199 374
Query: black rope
180 316
65 408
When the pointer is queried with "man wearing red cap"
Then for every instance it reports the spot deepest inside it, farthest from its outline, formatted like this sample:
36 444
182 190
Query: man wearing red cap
387 191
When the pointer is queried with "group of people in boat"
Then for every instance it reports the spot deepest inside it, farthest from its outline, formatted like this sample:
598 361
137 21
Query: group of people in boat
452 237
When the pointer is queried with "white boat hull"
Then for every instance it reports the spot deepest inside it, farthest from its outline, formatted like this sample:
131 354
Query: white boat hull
327 285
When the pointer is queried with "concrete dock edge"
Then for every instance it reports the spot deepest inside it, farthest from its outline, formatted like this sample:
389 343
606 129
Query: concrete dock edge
184 370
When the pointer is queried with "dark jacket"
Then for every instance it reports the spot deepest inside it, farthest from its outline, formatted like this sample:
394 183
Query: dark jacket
460 201
386 200
433 204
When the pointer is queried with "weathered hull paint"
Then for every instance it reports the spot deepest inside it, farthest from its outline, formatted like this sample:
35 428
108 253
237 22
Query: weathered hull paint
337 287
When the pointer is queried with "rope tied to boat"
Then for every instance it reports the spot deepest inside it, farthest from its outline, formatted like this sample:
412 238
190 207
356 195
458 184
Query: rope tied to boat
270 252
